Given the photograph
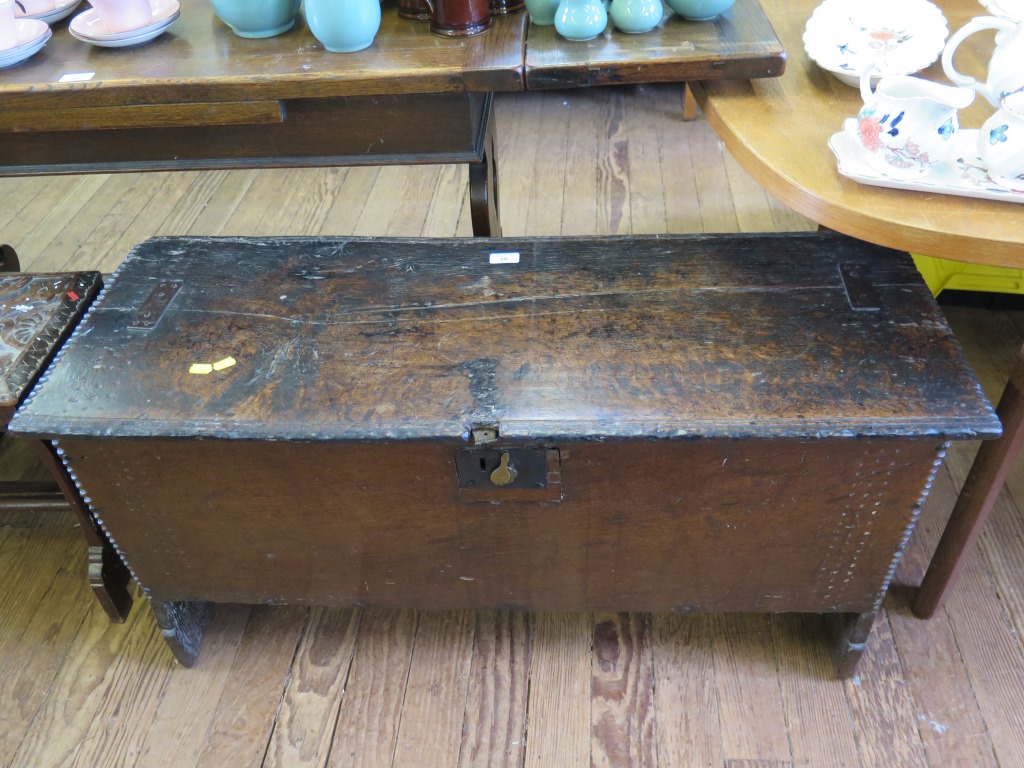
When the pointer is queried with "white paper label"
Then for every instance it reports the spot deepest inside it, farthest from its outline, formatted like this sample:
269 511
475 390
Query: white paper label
77 77
505 258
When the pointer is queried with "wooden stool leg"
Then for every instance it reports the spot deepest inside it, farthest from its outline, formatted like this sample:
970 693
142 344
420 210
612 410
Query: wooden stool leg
981 489
9 259
183 625
850 631
108 576
483 184
689 104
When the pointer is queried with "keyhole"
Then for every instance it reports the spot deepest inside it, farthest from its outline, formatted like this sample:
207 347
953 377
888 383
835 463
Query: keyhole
504 474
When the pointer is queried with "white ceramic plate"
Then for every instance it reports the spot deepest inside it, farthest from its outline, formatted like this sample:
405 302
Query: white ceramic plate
22 51
962 175
900 37
89 27
1008 9
29 32
61 11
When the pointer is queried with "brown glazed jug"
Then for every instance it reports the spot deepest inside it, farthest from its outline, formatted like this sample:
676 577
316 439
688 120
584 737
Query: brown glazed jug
459 18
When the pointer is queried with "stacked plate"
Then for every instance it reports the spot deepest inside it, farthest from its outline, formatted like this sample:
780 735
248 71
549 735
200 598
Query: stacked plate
89 27
61 10
32 35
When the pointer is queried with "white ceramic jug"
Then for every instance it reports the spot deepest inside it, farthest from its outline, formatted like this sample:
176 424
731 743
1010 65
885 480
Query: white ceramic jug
1005 68
1001 143
907 125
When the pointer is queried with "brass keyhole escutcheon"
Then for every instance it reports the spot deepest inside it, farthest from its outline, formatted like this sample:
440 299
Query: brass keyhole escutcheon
504 474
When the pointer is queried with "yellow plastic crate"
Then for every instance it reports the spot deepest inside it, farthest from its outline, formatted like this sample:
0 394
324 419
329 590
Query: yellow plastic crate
940 274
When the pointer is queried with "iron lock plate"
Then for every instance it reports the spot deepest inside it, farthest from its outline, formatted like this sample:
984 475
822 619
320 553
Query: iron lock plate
509 474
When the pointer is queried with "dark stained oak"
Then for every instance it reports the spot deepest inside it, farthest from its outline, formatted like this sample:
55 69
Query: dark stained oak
739 44
722 423
37 313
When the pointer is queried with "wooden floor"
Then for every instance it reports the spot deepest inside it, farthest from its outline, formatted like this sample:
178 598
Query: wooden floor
279 686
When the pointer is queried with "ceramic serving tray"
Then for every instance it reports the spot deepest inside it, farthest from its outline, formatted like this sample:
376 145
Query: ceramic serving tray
964 174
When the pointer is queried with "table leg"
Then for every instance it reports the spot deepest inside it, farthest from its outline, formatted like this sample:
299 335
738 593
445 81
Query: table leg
9 259
689 104
483 187
108 575
984 482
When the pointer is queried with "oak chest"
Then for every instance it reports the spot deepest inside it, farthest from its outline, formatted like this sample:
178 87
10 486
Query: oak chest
712 423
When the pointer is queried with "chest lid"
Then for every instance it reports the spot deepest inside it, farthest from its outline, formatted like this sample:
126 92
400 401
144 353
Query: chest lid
793 335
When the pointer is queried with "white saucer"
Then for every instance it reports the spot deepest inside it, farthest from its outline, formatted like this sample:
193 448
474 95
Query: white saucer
844 36
963 174
22 51
89 27
125 42
30 31
52 16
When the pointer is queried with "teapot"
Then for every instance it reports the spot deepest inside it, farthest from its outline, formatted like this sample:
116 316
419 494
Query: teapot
1001 143
907 125
1006 67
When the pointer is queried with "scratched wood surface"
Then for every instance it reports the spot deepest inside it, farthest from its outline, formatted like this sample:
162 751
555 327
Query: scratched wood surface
538 685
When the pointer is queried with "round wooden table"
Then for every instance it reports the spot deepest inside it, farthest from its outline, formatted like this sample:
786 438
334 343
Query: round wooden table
778 129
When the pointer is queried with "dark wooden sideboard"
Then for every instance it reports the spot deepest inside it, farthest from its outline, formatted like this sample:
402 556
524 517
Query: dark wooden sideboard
198 97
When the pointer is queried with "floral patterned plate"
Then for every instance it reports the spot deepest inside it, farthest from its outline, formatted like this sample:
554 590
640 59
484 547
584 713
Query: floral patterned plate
846 36
963 175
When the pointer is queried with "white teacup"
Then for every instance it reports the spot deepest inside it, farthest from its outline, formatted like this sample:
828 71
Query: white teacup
1001 143
8 25
32 7
123 15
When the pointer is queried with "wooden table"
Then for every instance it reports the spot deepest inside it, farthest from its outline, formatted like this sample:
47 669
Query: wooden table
199 97
778 130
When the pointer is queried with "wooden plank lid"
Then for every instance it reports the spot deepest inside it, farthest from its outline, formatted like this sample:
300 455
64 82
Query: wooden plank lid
36 313
769 335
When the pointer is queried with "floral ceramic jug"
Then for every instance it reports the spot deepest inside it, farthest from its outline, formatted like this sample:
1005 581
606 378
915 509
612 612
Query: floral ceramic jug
1006 67
1001 144
907 125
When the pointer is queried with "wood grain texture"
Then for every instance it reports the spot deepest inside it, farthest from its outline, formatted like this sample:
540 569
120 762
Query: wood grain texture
367 730
99 661
143 116
761 121
35 643
622 692
414 295
439 677
738 44
200 60
559 726
244 719
818 718
751 711
176 735
686 690
304 728
494 730
882 708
